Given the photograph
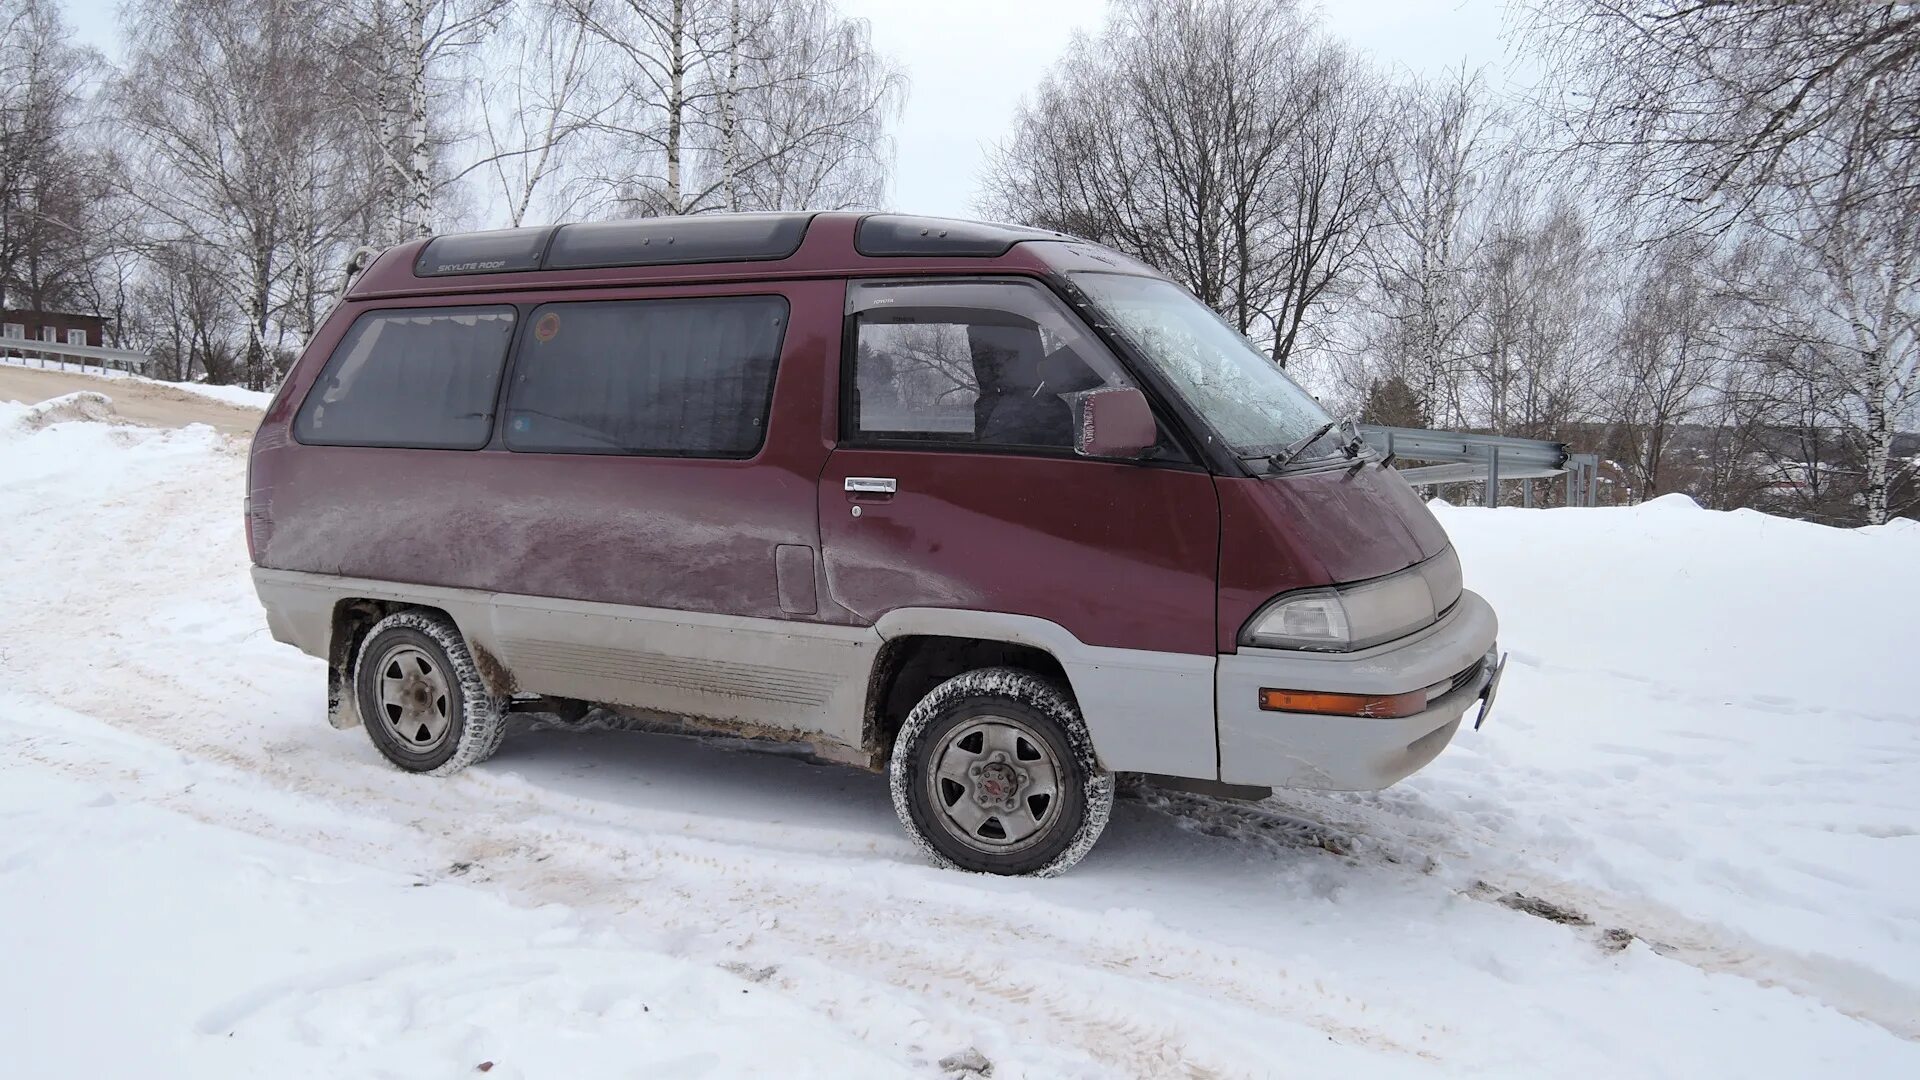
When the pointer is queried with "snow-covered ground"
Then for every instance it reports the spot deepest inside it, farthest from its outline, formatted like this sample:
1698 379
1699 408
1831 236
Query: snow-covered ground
232 395
1706 748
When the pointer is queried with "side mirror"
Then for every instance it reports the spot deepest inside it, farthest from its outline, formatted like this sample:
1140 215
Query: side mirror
1115 422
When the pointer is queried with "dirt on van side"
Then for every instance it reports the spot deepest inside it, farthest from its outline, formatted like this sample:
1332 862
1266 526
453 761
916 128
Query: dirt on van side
136 401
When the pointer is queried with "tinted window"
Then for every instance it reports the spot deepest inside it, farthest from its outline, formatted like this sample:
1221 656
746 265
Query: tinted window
688 378
424 377
981 363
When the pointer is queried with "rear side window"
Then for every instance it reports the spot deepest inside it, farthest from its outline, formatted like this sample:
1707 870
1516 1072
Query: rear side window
424 378
675 378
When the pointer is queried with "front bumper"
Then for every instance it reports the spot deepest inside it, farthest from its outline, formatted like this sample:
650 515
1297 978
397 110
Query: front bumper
1350 753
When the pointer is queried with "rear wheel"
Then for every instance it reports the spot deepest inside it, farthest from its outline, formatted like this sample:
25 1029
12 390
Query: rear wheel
994 772
421 697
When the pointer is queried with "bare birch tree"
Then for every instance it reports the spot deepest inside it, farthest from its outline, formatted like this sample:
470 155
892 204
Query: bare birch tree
1332 203
1853 330
805 104
1533 362
1791 116
1445 158
1225 143
225 99
533 123
407 52
736 105
1677 337
52 184
1711 101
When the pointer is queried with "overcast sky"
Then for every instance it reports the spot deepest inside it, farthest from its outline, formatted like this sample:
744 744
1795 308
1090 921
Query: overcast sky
970 62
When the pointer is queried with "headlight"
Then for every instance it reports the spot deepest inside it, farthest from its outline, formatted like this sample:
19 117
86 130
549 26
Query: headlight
1359 616
1302 621
1443 579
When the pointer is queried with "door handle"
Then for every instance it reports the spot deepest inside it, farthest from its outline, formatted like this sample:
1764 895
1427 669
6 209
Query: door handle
872 485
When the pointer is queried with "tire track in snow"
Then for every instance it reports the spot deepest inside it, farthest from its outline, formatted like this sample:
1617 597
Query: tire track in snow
1075 993
1344 828
1845 987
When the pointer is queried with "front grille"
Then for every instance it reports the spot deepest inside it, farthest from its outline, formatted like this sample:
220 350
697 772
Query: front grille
1465 677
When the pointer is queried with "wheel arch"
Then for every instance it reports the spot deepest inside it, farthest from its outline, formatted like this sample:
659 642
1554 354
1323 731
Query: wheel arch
353 616
1145 711
906 668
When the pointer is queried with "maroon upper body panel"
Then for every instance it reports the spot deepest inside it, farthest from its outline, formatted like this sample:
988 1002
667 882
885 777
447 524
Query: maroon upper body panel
692 534
1121 555
1314 527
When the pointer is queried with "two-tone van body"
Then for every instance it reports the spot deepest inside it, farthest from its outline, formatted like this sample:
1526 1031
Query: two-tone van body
1000 511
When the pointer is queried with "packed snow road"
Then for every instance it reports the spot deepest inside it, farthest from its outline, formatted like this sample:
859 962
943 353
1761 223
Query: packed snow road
137 400
1688 843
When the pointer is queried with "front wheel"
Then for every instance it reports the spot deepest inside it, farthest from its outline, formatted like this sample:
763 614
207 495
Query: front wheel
994 772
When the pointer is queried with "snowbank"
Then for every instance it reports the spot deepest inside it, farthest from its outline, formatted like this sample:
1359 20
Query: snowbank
1701 751
1735 605
83 405
1708 732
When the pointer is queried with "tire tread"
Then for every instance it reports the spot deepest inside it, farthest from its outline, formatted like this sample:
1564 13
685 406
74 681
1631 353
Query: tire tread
483 720
1036 693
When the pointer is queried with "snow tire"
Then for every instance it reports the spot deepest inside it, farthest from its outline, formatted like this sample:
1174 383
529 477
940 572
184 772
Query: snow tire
476 720
1039 705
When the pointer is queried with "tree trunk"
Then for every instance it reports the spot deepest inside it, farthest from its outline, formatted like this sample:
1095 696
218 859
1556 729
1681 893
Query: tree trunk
306 271
385 204
256 341
418 195
729 113
1879 435
676 101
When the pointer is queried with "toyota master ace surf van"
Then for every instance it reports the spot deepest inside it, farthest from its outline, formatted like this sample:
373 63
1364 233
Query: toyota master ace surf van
996 510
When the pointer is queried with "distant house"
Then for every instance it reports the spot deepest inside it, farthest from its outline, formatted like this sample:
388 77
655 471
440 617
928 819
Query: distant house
65 327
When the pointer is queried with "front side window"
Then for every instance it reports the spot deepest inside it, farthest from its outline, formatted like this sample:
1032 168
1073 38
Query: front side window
1241 393
675 377
977 363
423 378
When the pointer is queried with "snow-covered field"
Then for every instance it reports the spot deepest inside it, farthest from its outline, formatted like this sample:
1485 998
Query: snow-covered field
1687 844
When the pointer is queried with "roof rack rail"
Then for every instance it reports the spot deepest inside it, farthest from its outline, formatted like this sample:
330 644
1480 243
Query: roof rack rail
657 241
882 235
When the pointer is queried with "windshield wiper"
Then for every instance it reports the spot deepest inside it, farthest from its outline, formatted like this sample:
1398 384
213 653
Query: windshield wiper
1350 443
1292 450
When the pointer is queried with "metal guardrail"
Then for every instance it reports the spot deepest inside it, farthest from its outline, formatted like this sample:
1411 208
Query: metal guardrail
122 359
1466 457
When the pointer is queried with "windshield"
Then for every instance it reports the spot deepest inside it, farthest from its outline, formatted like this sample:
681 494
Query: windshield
1245 397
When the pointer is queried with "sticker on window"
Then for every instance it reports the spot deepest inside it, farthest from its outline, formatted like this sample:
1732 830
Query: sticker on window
547 328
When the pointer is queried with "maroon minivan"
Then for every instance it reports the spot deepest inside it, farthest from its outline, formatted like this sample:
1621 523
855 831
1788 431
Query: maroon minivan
998 510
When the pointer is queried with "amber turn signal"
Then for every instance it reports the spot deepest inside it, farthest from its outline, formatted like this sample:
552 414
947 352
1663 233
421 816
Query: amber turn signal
1370 705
